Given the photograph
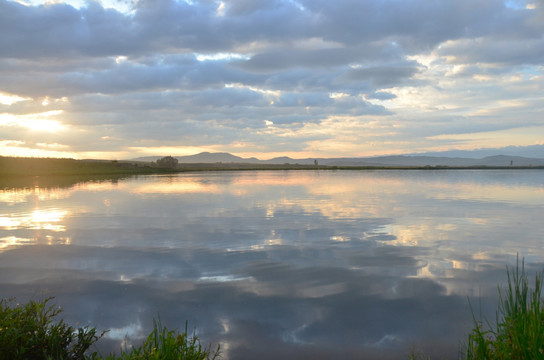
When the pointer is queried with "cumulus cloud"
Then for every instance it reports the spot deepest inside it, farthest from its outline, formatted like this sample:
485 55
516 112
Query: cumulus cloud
195 66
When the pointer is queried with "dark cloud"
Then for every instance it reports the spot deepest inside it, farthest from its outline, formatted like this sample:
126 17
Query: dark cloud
331 57
193 67
381 76
174 26
59 30
168 26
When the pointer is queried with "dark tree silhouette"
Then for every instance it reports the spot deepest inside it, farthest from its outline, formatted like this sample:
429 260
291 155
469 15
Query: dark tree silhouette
168 162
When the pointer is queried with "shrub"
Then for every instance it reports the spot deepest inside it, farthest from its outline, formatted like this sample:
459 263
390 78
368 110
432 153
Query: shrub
30 331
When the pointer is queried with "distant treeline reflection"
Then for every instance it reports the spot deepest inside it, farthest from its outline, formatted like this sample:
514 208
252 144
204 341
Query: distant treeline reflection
54 172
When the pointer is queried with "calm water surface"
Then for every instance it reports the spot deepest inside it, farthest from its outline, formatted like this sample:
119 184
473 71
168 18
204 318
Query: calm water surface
272 264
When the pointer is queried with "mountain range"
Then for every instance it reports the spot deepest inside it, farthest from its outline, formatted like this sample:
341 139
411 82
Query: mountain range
437 159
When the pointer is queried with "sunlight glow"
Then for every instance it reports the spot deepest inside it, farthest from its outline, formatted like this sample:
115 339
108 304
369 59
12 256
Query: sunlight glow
188 186
23 195
11 241
167 150
15 196
49 100
34 122
47 219
47 216
338 238
120 59
220 9
18 148
7 99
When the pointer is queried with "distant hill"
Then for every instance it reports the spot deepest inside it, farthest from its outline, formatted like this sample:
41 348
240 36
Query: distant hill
397 160
206 158
498 160
531 151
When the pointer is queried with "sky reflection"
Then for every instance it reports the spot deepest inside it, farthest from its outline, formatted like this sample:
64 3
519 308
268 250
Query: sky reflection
277 264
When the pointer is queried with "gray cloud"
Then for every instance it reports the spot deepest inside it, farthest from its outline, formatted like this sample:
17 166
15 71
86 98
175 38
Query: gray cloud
167 26
382 95
195 66
501 51
60 30
380 76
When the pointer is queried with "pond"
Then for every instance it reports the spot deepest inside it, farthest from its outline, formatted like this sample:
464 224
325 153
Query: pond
277 264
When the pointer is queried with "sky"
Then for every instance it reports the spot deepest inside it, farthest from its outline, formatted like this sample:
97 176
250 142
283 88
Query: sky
120 79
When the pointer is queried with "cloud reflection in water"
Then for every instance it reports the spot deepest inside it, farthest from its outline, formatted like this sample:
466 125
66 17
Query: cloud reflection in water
277 264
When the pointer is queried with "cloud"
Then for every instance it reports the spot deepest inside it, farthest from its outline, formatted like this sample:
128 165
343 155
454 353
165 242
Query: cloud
329 57
382 95
272 299
218 70
380 76
59 30
495 51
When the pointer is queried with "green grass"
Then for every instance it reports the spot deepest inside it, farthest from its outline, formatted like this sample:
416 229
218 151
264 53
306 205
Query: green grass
518 330
32 332
16 166
164 344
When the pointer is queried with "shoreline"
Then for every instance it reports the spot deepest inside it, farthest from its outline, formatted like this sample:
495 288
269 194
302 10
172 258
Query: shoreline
53 167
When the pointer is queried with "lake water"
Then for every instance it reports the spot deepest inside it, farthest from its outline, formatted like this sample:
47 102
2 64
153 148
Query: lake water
277 264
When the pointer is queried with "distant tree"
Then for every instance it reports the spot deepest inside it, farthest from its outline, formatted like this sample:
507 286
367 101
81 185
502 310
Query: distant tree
315 163
168 162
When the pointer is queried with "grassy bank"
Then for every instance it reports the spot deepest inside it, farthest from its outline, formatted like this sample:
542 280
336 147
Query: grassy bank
33 332
51 167
16 166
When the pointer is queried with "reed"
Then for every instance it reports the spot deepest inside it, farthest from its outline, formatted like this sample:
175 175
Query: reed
164 344
518 330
